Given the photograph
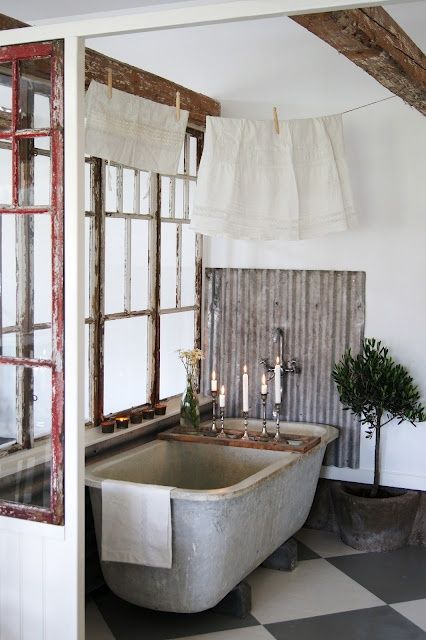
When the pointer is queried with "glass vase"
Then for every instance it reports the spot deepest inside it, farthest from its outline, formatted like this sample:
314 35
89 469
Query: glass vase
190 408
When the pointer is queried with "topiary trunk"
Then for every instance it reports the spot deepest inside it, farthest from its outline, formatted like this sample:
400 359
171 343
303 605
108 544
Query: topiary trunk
376 482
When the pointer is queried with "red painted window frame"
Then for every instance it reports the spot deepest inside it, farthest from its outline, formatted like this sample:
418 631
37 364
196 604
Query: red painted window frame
54 514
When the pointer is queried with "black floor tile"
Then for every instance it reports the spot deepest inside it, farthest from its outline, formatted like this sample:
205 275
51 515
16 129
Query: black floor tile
129 622
377 623
305 553
394 576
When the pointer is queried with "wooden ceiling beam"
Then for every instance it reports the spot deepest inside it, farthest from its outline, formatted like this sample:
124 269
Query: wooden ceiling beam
135 81
371 39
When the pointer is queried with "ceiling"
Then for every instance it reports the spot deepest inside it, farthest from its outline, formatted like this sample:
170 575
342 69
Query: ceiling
248 66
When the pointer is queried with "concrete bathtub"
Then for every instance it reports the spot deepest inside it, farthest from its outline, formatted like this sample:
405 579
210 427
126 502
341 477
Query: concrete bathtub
232 507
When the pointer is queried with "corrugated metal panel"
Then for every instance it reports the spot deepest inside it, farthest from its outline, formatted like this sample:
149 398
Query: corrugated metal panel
321 312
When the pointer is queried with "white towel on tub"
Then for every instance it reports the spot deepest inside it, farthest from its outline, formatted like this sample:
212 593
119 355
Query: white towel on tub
136 523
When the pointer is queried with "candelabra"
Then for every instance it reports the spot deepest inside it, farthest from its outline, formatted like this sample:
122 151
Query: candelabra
245 435
264 434
214 428
222 433
277 436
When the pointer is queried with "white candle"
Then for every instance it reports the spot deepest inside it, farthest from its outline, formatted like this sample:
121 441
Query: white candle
245 390
214 381
222 397
277 381
263 386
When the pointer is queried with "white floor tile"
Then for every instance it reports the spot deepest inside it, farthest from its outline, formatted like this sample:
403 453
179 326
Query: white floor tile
249 633
415 610
314 588
96 627
324 543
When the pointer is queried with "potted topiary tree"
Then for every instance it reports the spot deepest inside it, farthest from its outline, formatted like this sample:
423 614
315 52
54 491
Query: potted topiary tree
377 390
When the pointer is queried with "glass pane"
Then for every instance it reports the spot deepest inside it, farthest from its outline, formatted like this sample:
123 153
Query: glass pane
25 475
181 166
34 94
144 192
87 187
110 188
188 267
126 361
128 191
87 274
34 172
5 96
42 269
192 156
140 271
42 402
176 332
8 270
42 180
191 193
165 197
8 431
32 304
179 198
43 344
86 373
5 177
41 111
114 265
168 265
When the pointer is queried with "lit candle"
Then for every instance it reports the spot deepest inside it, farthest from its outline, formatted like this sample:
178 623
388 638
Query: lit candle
277 372
222 397
245 390
263 386
214 381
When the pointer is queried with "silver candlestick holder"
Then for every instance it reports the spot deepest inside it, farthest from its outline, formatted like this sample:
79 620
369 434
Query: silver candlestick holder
214 396
277 436
245 435
264 434
222 433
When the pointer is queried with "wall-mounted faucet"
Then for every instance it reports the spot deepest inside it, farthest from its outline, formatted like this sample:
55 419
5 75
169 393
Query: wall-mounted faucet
287 366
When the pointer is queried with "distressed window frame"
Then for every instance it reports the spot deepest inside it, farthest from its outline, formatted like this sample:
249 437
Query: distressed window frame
24 361
97 317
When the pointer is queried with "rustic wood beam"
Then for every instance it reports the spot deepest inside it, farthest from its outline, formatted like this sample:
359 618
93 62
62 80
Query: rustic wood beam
371 39
136 81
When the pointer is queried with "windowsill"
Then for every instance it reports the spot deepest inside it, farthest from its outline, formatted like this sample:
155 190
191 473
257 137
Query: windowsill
97 442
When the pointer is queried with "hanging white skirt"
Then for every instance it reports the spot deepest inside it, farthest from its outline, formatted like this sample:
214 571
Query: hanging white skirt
256 184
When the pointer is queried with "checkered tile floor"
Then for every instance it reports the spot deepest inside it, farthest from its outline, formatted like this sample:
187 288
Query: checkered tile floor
335 592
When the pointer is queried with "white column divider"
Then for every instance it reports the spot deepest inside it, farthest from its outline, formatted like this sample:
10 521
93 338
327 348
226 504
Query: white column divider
74 329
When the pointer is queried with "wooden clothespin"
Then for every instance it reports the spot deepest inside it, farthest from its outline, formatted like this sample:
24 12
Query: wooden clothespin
109 84
177 106
276 121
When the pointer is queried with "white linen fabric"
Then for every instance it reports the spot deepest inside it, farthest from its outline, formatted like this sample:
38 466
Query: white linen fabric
136 523
133 131
256 184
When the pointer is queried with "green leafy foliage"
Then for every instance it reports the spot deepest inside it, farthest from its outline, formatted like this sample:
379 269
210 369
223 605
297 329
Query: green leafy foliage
372 385
377 390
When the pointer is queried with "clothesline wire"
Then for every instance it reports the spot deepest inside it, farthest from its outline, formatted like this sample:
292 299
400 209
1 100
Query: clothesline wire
362 106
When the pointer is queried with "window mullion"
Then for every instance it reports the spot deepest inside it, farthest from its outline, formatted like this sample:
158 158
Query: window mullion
154 259
178 266
96 364
25 281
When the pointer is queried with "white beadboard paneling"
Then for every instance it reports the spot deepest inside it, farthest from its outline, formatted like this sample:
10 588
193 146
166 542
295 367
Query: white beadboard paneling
33 588
10 587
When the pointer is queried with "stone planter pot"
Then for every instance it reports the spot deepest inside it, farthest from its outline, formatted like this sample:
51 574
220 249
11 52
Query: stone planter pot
374 524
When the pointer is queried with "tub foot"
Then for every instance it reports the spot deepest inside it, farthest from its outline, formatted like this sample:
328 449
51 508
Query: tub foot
237 603
284 558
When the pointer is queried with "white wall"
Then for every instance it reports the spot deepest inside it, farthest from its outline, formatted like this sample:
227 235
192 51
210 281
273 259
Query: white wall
385 146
